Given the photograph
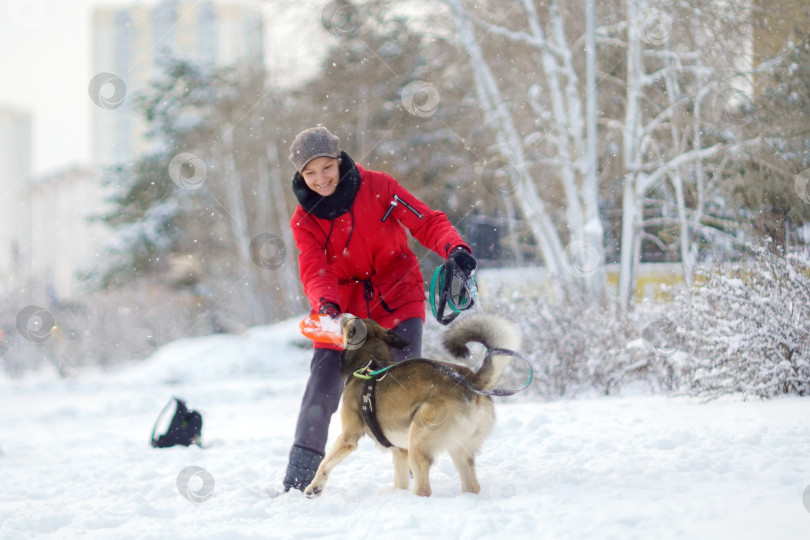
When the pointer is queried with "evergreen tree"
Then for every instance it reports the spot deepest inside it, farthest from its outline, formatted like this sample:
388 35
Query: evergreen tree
187 213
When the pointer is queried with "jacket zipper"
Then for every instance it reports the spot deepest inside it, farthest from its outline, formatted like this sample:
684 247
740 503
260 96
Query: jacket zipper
396 201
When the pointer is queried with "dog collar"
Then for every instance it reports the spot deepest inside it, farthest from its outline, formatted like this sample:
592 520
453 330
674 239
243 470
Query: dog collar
367 373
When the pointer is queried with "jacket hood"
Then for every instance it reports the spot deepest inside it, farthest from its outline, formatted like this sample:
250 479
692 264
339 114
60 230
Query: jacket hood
336 204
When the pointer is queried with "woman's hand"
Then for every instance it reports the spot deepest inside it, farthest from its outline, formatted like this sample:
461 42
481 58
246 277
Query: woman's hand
464 260
331 309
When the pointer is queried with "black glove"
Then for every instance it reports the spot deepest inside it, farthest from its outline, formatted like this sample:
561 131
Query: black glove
331 309
464 260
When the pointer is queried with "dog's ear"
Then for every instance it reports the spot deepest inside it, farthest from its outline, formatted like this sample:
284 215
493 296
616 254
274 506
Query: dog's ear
393 340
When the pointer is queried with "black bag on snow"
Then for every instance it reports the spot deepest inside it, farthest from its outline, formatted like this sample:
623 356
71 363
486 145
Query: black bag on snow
185 427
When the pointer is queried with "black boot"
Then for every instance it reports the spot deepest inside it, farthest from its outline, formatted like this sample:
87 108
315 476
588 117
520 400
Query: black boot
301 468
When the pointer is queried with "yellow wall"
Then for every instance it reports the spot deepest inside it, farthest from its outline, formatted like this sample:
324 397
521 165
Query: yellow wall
652 277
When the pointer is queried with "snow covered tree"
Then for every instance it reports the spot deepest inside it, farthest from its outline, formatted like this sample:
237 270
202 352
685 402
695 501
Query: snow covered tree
204 208
518 120
671 104
746 327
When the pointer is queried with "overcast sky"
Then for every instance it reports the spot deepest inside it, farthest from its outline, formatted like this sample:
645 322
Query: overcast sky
45 67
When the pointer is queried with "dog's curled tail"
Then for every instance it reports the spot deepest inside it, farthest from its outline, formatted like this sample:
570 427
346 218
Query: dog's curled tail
494 333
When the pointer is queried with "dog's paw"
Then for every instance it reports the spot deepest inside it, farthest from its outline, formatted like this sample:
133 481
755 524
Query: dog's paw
313 491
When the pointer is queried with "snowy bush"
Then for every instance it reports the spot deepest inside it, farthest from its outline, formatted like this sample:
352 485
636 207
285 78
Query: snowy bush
747 328
104 328
743 329
575 344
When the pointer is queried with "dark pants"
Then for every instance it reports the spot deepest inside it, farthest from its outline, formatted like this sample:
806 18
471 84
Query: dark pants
322 394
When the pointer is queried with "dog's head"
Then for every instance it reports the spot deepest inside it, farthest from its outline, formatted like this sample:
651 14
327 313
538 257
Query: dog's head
364 339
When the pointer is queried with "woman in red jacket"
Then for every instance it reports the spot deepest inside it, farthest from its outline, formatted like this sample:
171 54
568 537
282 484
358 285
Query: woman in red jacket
350 230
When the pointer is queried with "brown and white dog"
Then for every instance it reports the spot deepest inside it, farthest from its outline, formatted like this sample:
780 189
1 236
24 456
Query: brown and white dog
421 411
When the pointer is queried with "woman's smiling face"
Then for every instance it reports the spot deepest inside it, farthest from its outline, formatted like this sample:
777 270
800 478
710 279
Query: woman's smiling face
322 175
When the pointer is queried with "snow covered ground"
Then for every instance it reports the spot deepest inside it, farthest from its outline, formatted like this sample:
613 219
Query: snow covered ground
75 461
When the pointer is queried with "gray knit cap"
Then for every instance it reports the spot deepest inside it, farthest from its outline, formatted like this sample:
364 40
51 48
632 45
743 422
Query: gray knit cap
312 143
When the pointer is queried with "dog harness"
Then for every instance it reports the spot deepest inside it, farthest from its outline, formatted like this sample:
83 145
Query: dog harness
371 376
368 404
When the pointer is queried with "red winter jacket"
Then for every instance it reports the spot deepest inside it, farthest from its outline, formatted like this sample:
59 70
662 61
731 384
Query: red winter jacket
354 248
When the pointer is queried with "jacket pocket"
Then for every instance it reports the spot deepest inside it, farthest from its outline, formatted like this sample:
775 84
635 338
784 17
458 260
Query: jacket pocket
397 293
384 305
